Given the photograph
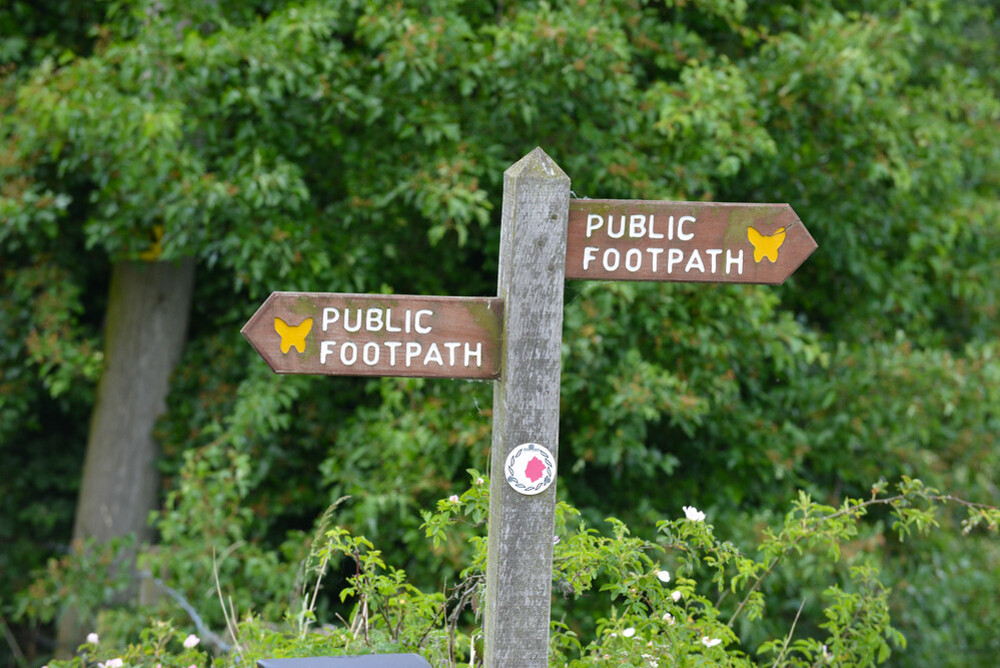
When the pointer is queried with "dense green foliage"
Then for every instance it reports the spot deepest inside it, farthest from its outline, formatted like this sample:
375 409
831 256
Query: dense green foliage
656 616
359 146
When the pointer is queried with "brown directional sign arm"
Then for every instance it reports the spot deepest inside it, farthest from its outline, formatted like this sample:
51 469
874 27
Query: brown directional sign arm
378 335
698 242
460 337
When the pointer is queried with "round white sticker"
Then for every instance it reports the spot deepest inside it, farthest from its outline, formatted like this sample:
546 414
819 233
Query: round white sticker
530 468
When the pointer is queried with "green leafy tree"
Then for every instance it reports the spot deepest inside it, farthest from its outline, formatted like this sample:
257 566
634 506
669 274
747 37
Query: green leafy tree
359 146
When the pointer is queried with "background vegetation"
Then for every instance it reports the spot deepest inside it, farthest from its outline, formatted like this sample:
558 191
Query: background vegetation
359 146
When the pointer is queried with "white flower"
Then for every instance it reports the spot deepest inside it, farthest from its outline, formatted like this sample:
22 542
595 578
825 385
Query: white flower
92 638
191 641
710 642
693 514
668 618
479 481
112 663
676 596
453 498
663 575
629 632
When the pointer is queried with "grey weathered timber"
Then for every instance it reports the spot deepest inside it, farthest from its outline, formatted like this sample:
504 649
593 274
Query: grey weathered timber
526 409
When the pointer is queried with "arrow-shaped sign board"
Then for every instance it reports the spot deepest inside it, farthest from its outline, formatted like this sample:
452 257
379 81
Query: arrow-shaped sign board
378 335
460 337
702 242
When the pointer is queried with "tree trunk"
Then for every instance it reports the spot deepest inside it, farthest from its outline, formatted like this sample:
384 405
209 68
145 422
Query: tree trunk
146 328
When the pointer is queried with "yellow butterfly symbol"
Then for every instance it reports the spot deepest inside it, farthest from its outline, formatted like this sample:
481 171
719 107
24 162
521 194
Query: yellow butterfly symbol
293 337
766 246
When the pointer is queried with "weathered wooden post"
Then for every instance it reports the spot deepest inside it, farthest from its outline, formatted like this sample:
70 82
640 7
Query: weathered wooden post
515 339
526 413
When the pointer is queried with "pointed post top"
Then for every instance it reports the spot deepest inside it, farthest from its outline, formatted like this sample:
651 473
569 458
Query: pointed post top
531 282
536 165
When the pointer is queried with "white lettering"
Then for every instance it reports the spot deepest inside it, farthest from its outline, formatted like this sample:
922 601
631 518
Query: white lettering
621 228
738 261
674 256
633 259
695 260
652 234
478 354
714 253
594 222
422 329
388 322
343 352
410 353
654 252
612 253
347 323
330 316
680 228
433 355
637 226
412 350
589 255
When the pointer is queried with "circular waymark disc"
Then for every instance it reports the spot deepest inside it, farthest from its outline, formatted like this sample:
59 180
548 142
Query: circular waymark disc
530 468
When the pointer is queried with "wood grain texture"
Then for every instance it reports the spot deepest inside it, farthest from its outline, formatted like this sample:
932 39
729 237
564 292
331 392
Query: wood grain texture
696 242
347 334
526 409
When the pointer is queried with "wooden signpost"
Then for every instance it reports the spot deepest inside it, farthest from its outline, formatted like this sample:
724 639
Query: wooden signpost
531 281
701 242
378 335
515 339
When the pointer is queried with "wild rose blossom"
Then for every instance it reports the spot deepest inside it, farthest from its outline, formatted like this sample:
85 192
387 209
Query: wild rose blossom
92 638
664 576
710 642
191 641
693 514
629 632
